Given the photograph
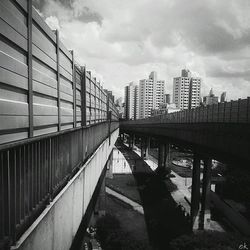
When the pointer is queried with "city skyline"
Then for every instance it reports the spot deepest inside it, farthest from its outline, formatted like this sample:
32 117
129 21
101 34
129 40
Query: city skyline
116 40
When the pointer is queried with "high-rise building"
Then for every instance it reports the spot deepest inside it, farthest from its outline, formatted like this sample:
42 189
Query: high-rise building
131 101
150 94
110 94
166 98
210 99
186 90
223 97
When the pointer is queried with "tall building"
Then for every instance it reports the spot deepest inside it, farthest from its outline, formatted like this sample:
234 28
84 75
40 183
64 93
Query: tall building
223 97
110 94
186 90
120 107
166 98
210 99
150 94
131 101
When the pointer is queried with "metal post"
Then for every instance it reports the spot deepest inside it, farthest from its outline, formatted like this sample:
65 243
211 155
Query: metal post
83 95
58 79
162 155
74 88
206 187
30 84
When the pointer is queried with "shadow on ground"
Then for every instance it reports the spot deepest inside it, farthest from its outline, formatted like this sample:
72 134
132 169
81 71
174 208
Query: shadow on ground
164 221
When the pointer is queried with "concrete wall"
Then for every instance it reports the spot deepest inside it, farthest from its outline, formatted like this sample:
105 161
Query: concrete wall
56 227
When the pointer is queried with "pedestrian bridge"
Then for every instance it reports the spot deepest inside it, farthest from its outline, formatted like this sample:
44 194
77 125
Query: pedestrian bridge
58 126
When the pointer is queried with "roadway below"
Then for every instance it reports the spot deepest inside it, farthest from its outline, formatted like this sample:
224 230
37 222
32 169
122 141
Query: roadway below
164 221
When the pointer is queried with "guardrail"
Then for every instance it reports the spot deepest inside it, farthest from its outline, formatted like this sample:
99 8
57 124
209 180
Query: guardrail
53 115
33 172
227 112
42 88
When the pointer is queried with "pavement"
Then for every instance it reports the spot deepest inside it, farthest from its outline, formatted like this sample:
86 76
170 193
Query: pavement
182 195
136 206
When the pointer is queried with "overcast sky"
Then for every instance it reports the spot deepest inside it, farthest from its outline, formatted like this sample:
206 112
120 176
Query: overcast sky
124 40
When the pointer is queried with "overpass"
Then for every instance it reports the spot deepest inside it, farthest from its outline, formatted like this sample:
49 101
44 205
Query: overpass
220 132
57 129
58 126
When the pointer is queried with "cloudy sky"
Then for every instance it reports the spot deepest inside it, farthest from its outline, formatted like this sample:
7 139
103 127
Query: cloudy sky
124 40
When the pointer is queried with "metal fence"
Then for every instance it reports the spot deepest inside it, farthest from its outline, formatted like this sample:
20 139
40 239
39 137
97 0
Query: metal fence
53 115
228 112
33 172
42 88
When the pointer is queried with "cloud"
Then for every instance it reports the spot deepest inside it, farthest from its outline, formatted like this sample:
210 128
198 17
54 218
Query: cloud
125 40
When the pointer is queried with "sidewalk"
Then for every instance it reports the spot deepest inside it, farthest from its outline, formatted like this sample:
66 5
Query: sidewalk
164 221
182 192
137 207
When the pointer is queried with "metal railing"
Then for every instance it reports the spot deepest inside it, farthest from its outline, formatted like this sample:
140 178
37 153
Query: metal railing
33 172
228 112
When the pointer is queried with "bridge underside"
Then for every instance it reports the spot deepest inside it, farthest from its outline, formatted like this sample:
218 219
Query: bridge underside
224 142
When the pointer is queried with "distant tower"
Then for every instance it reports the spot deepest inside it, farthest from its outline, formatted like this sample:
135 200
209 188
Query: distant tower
210 99
131 92
223 97
166 98
186 90
150 94
211 93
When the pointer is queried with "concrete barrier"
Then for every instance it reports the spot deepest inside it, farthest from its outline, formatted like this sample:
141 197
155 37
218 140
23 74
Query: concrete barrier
56 227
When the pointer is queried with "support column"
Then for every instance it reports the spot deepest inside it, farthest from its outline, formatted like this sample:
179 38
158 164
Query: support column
195 194
163 152
142 148
101 202
131 142
147 147
206 187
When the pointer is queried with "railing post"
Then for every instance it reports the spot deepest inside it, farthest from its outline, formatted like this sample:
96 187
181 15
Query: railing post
208 112
238 114
83 95
29 61
218 112
231 107
224 111
248 108
58 79
74 89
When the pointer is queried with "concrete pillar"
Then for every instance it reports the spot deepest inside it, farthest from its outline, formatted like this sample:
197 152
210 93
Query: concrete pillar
132 142
142 148
205 201
129 142
162 155
195 194
147 147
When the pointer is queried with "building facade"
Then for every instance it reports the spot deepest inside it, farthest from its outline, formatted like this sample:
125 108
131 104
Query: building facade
223 97
210 99
150 95
131 99
186 90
